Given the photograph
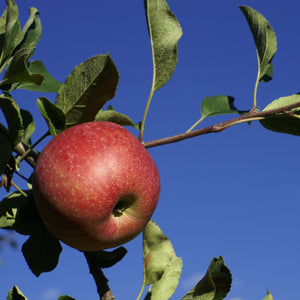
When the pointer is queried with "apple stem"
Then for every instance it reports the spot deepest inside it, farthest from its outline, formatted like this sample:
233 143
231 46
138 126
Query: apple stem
101 281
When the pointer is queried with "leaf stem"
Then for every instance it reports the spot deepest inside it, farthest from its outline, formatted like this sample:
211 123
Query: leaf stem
18 189
196 124
256 84
141 291
146 110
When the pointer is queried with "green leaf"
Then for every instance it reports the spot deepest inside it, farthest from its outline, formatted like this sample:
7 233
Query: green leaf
284 122
269 296
13 117
12 31
49 84
32 31
29 126
6 150
264 38
15 294
111 115
18 72
41 251
9 207
215 285
105 259
53 115
217 105
162 268
87 89
165 31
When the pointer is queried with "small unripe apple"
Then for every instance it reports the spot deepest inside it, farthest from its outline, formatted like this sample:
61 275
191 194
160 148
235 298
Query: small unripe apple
95 186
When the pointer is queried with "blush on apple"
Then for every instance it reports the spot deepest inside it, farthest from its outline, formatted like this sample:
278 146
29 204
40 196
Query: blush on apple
95 186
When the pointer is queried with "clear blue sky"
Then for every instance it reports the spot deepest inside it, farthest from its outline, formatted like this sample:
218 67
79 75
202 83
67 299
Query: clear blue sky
235 193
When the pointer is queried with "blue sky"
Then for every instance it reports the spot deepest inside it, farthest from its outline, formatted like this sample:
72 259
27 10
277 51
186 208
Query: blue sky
235 193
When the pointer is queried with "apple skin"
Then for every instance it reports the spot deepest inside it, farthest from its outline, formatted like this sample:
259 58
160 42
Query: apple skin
95 186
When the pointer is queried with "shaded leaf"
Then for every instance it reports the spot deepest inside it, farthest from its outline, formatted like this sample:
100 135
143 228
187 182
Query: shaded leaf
41 251
15 294
65 297
28 125
53 115
87 89
162 268
111 115
264 38
49 83
13 118
269 296
284 123
217 105
6 150
165 31
105 259
215 285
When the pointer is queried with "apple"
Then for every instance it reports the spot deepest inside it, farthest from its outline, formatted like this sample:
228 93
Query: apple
95 186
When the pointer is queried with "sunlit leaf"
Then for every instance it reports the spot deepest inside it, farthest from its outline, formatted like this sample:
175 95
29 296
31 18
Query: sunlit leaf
11 33
65 297
162 268
217 105
53 115
49 83
165 31
15 294
87 89
215 285
284 122
264 38
111 115
269 296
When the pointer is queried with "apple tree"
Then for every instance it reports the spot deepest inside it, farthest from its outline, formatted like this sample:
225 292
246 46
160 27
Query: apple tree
84 98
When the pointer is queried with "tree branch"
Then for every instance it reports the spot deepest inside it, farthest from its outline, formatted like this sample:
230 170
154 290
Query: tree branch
248 117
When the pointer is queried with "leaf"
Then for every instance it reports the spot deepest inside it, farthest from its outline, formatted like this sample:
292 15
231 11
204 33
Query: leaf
284 123
32 31
105 259
111 115
41 251
13 118
215 285
269 296
264 38
49 83
12 30
18 72
65 297
87 89
15 294
28 125
162 268
165 31
6 150
217 105
53 115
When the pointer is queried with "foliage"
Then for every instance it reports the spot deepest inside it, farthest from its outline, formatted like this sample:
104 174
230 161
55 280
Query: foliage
82 98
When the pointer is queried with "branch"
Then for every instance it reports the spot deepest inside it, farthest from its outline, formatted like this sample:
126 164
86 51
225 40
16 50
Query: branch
248 117
101 281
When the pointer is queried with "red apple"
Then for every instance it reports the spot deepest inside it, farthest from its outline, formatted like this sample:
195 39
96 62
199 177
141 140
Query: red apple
95 186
